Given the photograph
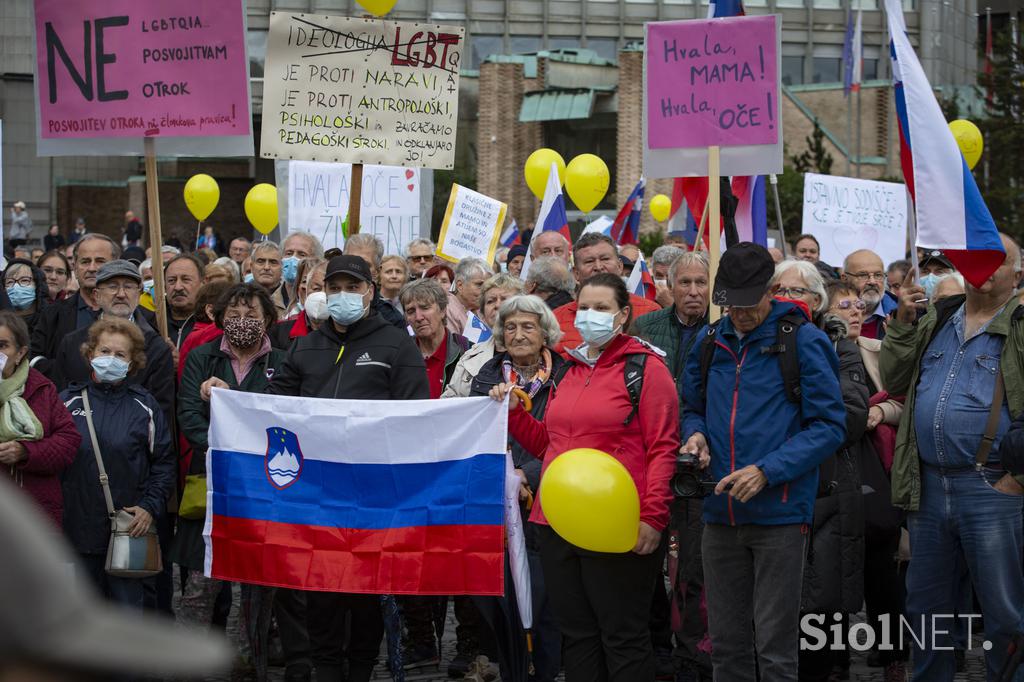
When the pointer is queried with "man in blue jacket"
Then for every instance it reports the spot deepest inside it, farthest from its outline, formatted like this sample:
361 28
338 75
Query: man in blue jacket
763 446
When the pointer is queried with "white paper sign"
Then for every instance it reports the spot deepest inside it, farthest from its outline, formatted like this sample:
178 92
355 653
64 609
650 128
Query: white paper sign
318 196
848 214
471 227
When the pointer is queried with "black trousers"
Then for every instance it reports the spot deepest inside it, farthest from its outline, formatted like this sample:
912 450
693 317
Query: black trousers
602 603
326 615
883 587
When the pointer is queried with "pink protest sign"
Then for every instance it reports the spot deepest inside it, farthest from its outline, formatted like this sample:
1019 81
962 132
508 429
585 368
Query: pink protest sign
712 82
126 68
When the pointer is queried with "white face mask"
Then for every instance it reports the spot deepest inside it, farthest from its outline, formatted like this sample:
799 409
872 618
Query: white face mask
595 327
316 306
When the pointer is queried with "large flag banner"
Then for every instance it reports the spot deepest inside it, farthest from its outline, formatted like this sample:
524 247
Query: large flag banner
751 209
853 52
951 215
380 497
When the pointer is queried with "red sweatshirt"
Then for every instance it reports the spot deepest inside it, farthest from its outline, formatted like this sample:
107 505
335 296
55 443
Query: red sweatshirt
587 410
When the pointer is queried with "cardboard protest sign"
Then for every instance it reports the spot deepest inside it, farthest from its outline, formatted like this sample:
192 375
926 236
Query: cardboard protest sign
848 214
111 73
712 82
361 91
318 200
471 227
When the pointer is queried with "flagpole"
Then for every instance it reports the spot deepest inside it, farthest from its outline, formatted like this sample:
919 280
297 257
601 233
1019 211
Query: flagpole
778 214
714 233
849 100
858 132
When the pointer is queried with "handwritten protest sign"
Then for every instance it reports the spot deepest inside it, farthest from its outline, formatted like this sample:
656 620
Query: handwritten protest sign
318 196
712 82
472 224
848 214
129 69
361 91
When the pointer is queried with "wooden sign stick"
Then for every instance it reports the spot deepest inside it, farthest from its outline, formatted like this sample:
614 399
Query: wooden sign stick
156 240
714 204
355 198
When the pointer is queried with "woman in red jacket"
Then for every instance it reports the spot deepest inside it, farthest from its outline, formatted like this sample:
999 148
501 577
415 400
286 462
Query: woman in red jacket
38 439
602 601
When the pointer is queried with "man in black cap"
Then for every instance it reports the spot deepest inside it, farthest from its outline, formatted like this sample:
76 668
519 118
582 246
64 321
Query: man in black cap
778 413
353 355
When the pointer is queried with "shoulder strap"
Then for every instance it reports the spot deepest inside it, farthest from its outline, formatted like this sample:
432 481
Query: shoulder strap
633 372
994 412
104 483
707 354
789 358
560 372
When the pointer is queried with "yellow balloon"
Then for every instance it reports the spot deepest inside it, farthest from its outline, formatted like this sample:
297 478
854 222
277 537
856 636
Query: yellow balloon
261 207
538 168
377 8
660 207
591 501
201 195
586 181
969 139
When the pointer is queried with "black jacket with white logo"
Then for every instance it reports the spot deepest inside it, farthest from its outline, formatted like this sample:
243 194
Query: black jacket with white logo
372 360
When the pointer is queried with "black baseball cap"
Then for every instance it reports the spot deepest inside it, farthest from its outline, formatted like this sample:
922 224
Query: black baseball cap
353 266
743 275
937 256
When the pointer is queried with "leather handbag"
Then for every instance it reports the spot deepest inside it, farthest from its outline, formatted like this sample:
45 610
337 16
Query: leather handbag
127 557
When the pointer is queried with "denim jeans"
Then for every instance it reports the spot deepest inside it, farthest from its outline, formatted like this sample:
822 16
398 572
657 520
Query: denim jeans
962 518
753 577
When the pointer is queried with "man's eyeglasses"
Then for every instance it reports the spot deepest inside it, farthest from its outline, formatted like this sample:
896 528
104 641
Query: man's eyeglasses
113 288
847 304
863 276
421 259
793 292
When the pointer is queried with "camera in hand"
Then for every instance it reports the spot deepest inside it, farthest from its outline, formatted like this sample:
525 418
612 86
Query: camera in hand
689 481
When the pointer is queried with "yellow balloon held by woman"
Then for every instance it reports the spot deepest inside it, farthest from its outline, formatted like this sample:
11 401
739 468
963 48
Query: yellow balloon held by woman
660 206
377 8
261 207
586 181
969 139
201 195
538 167
591 501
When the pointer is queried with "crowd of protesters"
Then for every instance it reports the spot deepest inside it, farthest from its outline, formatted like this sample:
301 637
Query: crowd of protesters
844 423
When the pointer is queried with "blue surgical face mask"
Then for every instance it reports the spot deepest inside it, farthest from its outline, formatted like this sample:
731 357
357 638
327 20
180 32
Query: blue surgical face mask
109 369
248 278
345 307
596 327
290 269
929 282
21 296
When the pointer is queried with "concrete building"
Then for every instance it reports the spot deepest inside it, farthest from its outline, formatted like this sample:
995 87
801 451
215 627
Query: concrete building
584 59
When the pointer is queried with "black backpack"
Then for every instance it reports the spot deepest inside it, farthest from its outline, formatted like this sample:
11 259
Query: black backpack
633 376
784 348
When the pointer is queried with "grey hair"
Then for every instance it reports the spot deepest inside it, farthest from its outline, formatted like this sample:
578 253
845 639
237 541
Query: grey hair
226 262
318 248
264 246
148 263
811 276
531 305
955 275
698 258
551 274
666 255
397 259
167 248
365 240
420 242
467 267
115 248
1017 260
500 281
424 290
565 242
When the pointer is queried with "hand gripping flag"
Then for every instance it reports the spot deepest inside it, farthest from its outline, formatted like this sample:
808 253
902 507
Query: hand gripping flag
951 215
640 282
382 497
626 227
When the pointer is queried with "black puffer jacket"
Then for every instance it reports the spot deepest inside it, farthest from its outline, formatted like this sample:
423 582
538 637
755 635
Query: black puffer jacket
137 455
372 360
834 571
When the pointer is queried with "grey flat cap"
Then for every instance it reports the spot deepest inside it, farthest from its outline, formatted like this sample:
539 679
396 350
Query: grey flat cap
118 268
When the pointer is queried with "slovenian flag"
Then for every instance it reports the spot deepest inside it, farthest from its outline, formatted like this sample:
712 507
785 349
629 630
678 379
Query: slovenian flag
640 282
752 209
626 227
511 234
951 215
378 496
725 8
853 52
552 209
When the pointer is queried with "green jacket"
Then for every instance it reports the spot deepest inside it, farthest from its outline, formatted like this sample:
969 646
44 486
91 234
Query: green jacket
900 366
661 328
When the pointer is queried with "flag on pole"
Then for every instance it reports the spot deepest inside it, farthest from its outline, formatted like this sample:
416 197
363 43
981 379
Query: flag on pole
951 215
511 234
552 209
752 209
640 281
681 220
305 493
725 8
853 52
626 227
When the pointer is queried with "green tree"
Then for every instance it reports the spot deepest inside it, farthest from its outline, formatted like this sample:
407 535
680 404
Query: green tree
816 158
791 201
